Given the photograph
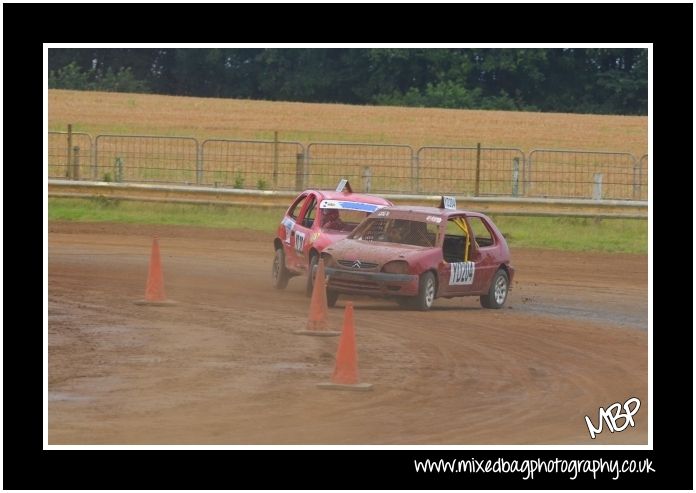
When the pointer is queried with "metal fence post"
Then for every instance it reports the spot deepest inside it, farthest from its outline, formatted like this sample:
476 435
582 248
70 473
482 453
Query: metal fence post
597 189
199 163
526 172
367 179
118 169
636 175
478 169
76 163
93 160
69 162
299 171
415 173
515 176
275 159
642 164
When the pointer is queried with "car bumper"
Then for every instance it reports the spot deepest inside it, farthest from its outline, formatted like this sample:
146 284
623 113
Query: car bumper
372 283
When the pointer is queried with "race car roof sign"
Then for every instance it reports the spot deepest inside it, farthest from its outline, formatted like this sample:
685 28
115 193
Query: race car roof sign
448 202
346 204
344 186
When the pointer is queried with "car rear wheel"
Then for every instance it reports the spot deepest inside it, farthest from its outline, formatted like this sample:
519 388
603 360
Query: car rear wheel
314 260
427 288
280 273
497 293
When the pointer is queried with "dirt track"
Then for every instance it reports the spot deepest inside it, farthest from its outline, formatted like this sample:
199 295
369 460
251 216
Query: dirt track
223 366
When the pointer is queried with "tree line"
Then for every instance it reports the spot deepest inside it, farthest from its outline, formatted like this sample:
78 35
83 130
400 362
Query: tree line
573 80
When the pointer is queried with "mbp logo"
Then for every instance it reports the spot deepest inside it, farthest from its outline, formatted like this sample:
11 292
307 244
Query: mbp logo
613 414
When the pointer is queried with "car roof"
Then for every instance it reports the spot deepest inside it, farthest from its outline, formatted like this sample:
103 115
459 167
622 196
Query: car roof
355 197
431 211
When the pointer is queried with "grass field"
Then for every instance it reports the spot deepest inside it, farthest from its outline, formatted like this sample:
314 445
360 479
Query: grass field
116 113
574 234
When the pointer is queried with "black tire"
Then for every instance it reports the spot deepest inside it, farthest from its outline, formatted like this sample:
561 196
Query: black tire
280 273
427 290
497 292
313 260
331 297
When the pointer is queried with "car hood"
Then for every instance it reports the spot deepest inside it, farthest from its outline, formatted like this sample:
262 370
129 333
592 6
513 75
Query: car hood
373 251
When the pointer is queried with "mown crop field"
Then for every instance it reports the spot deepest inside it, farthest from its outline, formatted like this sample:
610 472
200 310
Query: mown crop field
117 113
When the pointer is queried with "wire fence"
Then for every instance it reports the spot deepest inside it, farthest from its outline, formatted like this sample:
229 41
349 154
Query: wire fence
252 164
374 168
641 178
582 174
143 158
74 148
477 171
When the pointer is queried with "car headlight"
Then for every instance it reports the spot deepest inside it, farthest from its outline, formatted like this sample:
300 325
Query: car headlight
396 267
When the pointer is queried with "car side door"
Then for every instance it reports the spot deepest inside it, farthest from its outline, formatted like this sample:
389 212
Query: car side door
485 253
299 242
457 271
287 234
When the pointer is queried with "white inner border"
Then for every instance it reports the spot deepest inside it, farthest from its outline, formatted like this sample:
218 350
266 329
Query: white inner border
47 446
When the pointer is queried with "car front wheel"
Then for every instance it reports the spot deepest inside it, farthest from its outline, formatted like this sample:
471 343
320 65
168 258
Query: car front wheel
280 273
497 293
331 297
310 276
427 288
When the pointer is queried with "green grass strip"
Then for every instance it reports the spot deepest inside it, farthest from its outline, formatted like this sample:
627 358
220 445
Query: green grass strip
557 233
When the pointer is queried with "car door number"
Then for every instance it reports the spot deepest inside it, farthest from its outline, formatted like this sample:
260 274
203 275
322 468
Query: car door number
461 273
288 224
299 241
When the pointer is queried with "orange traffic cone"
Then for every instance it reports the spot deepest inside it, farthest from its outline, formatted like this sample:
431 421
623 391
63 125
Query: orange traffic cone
154 289
318 309
345 375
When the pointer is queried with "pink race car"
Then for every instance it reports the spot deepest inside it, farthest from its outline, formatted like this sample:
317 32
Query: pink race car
315 220
416 254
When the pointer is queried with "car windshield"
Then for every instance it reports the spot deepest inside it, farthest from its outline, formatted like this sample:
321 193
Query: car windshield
341 220
402 231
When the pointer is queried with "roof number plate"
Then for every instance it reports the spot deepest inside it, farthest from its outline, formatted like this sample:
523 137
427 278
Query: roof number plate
448 202
344 186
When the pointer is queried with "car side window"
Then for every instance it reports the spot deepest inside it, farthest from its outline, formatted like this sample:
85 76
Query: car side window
310 213
481 232
454 244
295 208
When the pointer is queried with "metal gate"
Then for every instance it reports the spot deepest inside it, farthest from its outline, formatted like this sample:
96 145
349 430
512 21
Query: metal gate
252 164
580 174
144 158
369 167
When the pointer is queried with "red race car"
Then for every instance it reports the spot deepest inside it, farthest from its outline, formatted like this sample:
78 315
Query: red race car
315 220
417 254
